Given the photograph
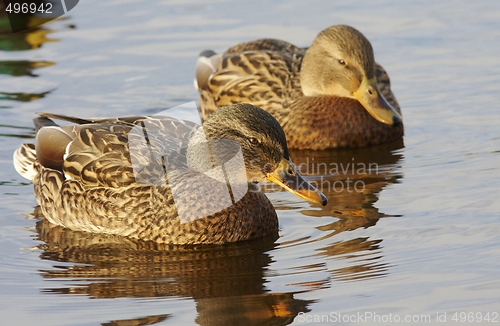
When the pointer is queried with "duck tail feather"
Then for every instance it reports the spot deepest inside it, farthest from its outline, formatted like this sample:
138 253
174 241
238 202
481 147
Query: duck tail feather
24 161
207 63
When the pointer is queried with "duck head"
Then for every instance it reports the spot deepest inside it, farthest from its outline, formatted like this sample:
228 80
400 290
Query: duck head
263 147
340 62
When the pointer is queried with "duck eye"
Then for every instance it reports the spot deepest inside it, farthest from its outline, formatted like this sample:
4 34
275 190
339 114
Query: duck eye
342 62
253 140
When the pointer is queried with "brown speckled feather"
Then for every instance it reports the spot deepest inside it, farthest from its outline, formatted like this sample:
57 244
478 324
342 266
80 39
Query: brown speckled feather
257 77
267 73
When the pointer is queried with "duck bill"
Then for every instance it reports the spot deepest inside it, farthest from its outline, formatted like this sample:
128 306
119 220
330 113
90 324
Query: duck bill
369 96
287 177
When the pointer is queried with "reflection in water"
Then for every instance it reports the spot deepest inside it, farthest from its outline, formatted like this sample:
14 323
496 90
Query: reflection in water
22 67
364 254
225 281
23 97
24 40
144 321
17 131
352 181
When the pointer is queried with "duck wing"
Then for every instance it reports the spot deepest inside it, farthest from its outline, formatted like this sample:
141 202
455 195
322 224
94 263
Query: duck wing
266 44
114 152
267 79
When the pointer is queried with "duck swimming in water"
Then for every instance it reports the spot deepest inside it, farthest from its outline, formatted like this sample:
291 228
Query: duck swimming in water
86 178
330 95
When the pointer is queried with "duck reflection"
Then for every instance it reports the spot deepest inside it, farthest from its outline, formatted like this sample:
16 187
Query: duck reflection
226 281
352 180
363 255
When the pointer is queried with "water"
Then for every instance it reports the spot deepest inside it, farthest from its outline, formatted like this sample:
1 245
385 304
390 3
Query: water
416 237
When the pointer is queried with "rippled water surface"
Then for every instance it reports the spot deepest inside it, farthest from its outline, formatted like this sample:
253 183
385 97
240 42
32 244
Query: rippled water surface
410 231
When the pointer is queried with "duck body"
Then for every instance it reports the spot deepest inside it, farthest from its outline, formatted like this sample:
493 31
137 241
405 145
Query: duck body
149 213
352 128
91 176
330 95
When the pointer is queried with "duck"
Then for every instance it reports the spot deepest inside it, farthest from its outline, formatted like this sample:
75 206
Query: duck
330 95
160 179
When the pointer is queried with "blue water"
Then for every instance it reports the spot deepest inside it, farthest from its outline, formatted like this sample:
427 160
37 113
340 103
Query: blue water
417 238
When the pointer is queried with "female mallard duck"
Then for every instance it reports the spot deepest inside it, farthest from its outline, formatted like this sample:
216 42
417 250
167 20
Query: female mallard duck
330 95
158 179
